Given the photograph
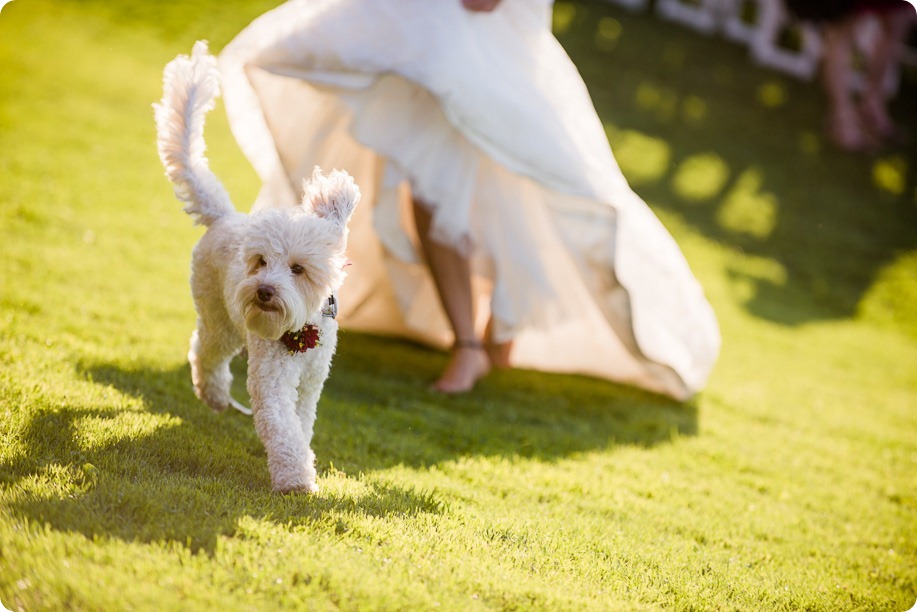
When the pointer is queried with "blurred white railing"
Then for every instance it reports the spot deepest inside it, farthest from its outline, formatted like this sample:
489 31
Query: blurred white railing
763 25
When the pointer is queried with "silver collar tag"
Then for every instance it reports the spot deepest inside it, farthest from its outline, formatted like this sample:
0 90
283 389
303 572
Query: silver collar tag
331 308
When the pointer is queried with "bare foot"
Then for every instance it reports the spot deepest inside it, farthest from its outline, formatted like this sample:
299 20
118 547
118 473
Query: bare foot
467 366
877 120
846 133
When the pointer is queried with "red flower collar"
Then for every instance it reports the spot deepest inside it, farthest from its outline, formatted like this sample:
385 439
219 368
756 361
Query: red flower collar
306 338
302 340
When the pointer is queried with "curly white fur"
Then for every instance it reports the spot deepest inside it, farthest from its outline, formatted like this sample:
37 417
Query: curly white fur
255 278
190 88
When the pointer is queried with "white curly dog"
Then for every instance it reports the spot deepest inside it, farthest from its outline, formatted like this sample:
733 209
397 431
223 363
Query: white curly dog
265 281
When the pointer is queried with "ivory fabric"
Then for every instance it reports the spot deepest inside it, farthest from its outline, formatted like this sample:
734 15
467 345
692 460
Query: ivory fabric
484 118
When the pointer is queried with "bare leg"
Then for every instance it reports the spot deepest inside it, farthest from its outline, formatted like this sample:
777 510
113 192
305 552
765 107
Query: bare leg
497 352
895 25
843 121
452 275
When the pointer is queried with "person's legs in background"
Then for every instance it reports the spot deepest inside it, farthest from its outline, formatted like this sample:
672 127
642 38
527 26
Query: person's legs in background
452 275
844 127
895 24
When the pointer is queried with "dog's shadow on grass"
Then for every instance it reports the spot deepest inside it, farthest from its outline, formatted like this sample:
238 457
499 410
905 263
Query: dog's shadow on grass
172 470
191 479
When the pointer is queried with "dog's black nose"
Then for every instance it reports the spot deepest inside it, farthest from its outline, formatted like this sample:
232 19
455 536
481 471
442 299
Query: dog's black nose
265 293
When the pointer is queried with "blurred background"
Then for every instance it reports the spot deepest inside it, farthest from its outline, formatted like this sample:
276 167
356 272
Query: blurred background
732 139
789 483
714 110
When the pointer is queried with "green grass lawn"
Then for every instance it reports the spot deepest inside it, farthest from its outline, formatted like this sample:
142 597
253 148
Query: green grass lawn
790 483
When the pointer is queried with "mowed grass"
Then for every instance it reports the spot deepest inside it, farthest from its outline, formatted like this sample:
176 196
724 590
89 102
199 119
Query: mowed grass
788 484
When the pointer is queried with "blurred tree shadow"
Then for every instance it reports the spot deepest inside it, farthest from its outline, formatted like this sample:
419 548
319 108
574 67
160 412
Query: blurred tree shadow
737 151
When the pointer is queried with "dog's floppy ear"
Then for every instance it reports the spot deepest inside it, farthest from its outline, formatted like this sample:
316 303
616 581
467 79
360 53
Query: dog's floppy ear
331 197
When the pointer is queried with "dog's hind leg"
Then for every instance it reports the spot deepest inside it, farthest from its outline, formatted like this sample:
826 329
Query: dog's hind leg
209 357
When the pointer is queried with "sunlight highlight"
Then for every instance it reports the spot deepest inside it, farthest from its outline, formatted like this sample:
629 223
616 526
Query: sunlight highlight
663 102
890 174
772 94
694 109
642 158
748 272
102 430
748 210
893 293
760 268
700 177
563 16
607 33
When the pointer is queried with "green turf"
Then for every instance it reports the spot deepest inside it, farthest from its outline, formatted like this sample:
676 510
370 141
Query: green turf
788 484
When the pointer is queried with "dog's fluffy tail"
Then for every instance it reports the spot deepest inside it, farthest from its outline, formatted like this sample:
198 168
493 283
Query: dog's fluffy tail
190 87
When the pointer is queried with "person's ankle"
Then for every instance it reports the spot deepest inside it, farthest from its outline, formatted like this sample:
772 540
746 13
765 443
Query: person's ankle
469 343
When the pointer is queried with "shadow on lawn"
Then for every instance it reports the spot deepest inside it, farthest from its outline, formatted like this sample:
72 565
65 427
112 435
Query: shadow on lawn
187 475
390 417
738 152
188 483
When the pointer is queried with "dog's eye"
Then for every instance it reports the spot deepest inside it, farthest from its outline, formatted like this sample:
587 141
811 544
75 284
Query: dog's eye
260 263
297 269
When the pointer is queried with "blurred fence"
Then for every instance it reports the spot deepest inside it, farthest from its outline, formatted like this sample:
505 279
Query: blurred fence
774 38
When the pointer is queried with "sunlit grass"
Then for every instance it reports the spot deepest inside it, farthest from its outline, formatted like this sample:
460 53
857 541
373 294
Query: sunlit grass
747 208
890 174
788 484
661 101
642 158
608 31
563 17
772 94
700 177
694 109
894 294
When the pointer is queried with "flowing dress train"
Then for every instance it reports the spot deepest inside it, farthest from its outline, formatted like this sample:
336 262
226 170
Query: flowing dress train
484 118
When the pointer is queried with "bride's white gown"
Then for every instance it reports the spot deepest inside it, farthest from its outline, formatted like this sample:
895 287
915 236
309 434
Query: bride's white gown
483 117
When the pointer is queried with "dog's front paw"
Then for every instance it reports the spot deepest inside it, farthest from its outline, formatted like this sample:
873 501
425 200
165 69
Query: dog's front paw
306 488
301 479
